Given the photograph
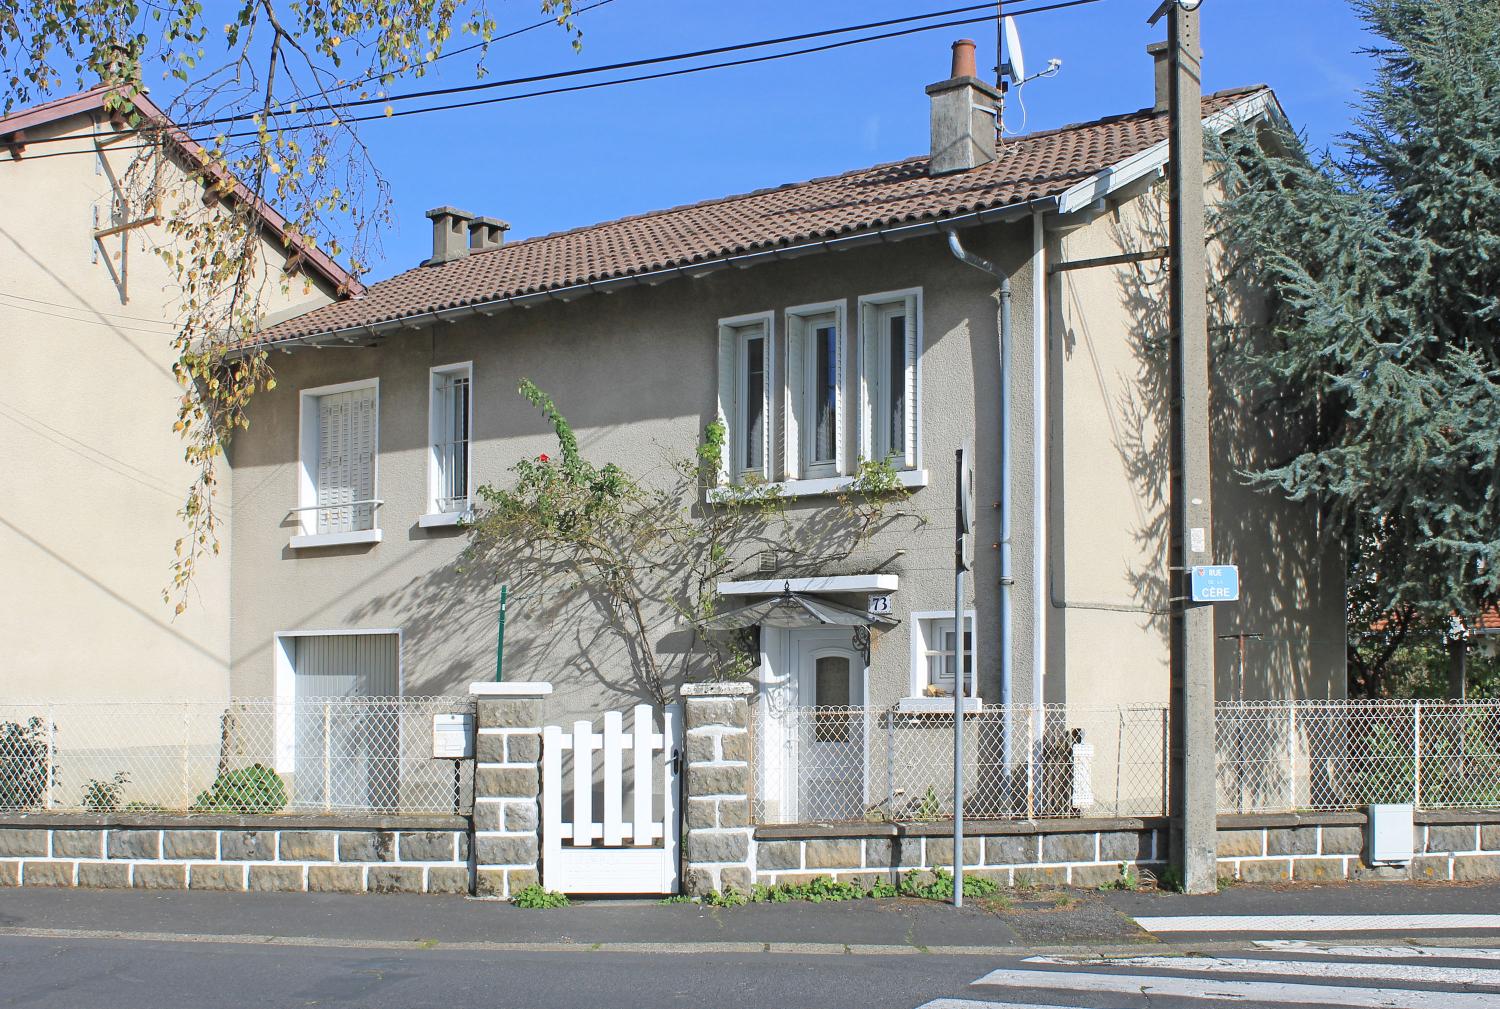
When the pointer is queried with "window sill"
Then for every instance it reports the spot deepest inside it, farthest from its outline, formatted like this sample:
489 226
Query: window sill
439 520
910 479
314 540
937 705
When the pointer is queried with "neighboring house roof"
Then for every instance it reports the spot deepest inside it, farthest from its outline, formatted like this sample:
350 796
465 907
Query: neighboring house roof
1080 160
13 127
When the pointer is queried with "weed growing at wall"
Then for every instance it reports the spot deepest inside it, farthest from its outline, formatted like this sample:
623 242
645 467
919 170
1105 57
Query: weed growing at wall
938 885
535 897
253 789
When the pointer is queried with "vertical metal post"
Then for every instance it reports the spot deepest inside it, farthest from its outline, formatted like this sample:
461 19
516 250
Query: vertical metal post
890 761
51 756
1416 754
1194 798
327 756
1291 756
500 640
960 560
187 733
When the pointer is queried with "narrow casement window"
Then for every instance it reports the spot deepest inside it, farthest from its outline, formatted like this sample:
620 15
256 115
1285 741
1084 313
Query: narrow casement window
894 413
345 469
450 422
936 664
825 394
815 391
890 342
752 400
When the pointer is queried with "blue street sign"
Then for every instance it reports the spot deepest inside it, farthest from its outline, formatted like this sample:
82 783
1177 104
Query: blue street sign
1216 583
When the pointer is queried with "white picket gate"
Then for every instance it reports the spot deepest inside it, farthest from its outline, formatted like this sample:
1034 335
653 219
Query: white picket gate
613 853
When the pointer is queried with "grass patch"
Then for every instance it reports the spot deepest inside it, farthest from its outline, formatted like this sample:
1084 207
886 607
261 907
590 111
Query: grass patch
535 897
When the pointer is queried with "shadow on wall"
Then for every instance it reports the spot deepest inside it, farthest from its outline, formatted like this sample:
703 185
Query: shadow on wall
1285 625
587 631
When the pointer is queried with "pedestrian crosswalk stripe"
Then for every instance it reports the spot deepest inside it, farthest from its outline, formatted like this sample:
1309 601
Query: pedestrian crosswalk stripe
1277 993
968 1003
1370 952
1409 973
1316 922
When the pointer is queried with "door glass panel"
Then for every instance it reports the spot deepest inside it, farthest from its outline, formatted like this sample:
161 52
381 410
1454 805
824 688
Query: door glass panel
831 690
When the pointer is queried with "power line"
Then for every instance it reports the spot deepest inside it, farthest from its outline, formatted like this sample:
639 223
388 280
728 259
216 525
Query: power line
337 120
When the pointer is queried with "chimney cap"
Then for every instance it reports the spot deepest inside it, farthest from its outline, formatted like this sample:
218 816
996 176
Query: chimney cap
447 211
963 59
1157 48
492 222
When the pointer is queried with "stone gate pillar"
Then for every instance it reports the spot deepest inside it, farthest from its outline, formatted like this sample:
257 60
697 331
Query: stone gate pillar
507 782
720 846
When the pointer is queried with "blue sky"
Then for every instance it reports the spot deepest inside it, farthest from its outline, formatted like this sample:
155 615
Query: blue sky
552 163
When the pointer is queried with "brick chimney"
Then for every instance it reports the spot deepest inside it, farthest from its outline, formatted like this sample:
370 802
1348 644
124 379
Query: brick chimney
487 233
963 116
1158 51
450 234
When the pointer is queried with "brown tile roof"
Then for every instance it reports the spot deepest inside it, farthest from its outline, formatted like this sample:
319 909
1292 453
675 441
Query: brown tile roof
1035 166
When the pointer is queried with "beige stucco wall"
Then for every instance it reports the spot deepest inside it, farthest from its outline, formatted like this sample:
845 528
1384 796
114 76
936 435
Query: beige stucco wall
94 475
1110 472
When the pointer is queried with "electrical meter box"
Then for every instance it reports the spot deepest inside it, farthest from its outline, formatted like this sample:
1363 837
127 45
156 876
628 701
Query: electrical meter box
1392 834
452 737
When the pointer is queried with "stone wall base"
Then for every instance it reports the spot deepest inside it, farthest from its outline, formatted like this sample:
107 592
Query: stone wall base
1091 853
204 855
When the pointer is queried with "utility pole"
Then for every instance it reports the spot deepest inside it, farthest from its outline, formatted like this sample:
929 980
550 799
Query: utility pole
1193 757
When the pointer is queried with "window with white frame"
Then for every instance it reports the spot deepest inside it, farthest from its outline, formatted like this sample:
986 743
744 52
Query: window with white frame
746 353
339 443
891 343
934 661
815 391
451 418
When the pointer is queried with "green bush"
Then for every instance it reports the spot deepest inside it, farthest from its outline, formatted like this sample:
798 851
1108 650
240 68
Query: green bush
941 887
104 796
534 896
23 764
253 789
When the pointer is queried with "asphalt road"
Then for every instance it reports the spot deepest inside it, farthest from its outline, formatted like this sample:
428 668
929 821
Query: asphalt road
79 949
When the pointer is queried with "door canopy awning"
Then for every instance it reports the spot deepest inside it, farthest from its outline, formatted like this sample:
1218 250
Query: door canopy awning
795 609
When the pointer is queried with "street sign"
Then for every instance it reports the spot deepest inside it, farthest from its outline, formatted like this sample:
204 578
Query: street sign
964 510
1215 583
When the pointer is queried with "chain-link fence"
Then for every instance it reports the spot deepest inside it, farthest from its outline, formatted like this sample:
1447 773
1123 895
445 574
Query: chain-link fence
842 764
320 754
1020 762
1276 756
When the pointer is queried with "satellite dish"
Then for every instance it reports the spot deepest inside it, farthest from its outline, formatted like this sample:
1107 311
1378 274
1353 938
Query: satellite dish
1015 62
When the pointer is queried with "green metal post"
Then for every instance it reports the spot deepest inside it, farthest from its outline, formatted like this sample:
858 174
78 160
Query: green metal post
500 644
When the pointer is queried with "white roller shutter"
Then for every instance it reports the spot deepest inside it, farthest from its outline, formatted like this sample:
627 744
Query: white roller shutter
346 460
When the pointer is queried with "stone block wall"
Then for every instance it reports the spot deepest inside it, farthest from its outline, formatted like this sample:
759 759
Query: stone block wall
1455 845
289 853
719 845
507 786
1083 853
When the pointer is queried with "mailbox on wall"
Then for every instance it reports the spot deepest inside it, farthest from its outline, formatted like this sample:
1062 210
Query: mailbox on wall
453 737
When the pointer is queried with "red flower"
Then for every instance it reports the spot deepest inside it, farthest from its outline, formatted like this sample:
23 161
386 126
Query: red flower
543 458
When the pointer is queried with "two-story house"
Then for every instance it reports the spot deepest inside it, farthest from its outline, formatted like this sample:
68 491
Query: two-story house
95 475
862 316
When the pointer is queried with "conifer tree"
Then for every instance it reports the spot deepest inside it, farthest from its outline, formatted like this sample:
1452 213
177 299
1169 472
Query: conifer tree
1383 335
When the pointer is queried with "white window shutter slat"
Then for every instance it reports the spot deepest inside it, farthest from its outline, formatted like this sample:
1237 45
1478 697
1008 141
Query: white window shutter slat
841 397
796 395
362 484
869 379
912 405
727 414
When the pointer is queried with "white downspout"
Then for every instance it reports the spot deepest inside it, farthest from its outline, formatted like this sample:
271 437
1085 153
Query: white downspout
1007 576
1039 462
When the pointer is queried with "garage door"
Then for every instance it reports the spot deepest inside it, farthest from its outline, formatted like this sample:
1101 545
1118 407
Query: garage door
348 742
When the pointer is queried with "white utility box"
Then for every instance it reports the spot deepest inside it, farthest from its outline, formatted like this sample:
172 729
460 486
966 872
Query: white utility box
1393 834
452 737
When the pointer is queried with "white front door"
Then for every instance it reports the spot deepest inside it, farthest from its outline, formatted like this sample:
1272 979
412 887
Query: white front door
828 677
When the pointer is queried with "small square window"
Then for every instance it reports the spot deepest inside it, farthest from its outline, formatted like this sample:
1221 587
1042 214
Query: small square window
934 660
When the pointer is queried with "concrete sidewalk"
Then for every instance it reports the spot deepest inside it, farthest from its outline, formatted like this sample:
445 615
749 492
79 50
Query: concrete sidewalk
1043 919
